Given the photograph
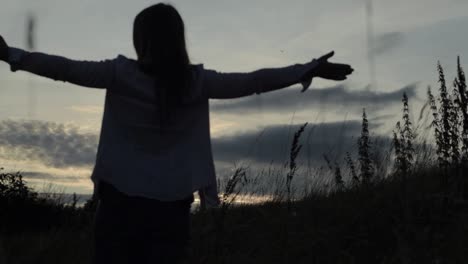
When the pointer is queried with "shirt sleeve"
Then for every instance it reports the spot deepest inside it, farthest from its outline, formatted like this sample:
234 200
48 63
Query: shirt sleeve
94 74
219 85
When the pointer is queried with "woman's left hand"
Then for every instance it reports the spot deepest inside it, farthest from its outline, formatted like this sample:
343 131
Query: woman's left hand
332 71
3 49
328 70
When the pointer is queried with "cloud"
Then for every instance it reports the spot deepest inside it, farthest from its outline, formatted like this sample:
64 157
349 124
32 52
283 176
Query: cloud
35 175
87 109
387 41
52 144
289 99
273 144
62 147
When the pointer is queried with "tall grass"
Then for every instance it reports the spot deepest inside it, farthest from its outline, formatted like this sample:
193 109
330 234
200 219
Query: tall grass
364 150
295 149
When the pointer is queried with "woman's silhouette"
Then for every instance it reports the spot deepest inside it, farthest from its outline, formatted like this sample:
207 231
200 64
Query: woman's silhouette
154 150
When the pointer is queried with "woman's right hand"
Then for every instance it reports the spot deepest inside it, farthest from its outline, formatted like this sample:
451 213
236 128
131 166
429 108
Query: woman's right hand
3 49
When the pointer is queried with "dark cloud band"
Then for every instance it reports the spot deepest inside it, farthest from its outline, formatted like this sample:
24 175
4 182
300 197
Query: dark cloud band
273 144
64 146
288 99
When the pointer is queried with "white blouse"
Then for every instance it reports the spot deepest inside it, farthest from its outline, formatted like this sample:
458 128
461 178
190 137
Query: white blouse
135 154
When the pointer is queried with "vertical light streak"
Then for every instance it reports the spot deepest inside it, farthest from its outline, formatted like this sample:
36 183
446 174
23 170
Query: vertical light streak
31 46
370 44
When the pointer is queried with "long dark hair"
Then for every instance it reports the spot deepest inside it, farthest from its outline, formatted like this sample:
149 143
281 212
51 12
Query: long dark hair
159 40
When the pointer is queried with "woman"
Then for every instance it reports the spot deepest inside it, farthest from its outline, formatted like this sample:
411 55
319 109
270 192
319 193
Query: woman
154 150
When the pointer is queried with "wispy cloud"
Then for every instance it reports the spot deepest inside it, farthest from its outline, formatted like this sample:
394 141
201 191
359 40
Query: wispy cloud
387 42
87 109
288 99
35 175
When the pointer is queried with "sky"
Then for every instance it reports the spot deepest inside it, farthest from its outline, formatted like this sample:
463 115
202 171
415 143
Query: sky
57 144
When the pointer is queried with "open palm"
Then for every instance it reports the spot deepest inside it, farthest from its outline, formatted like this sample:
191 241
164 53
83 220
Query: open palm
332 71
328 70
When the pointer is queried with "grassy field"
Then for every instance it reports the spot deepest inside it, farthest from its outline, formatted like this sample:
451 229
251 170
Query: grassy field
377 225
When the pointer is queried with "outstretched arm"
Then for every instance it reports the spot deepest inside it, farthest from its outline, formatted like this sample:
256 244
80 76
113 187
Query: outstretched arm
233 85
85 73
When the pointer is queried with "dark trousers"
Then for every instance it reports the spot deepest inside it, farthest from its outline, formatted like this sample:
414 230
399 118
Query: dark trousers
140 230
